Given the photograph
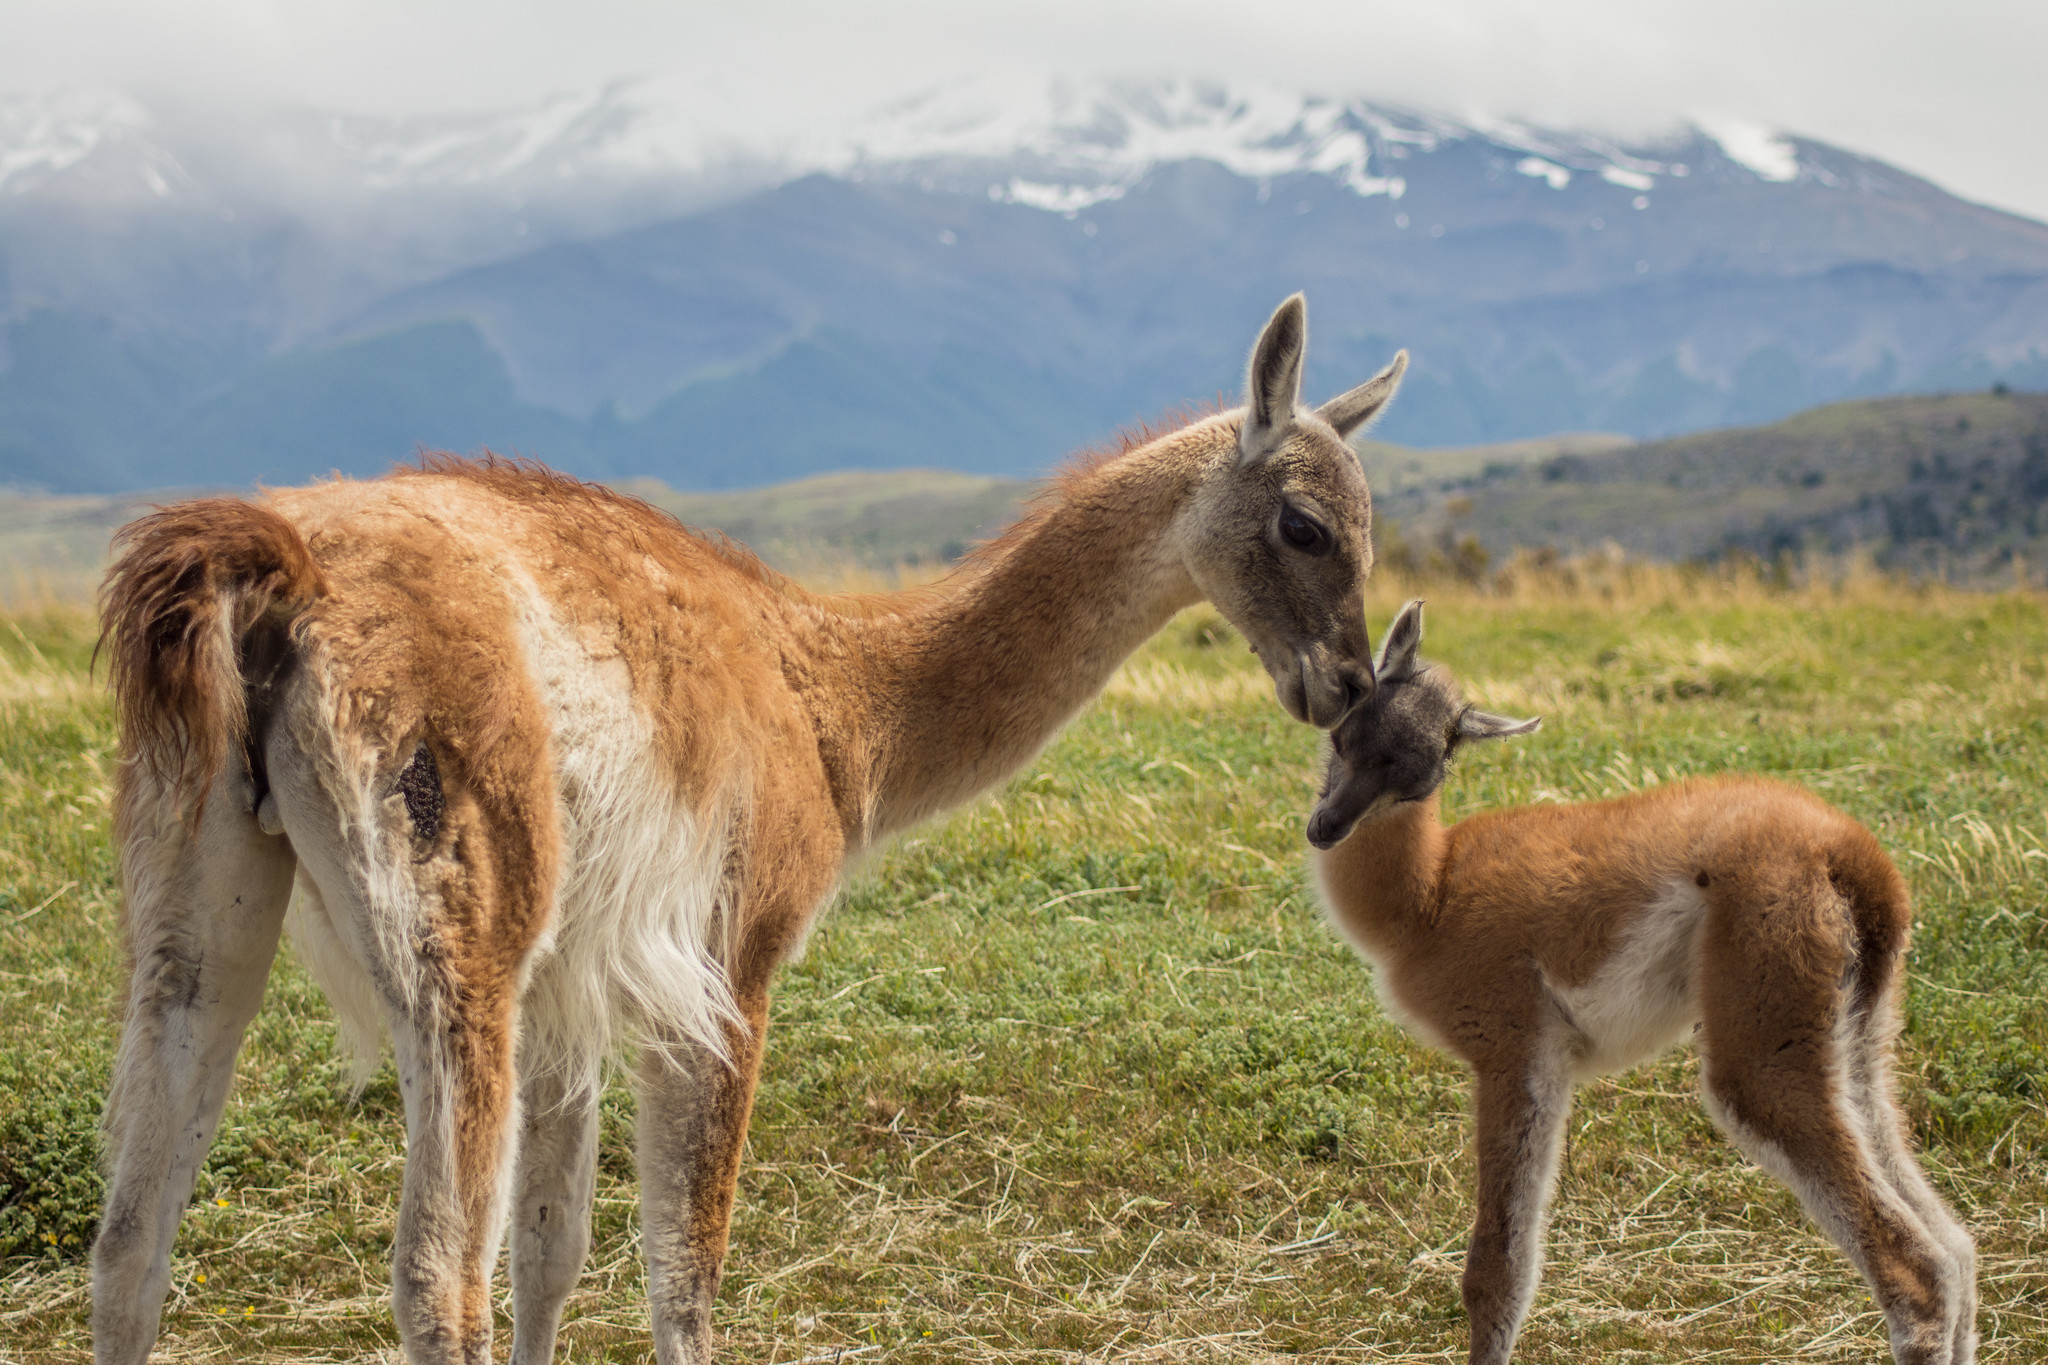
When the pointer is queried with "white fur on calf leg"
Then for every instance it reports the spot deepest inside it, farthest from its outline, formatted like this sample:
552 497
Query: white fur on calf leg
204 911
400 919
1821 1157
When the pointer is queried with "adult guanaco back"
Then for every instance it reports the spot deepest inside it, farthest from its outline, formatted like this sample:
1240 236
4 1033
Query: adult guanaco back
1548 944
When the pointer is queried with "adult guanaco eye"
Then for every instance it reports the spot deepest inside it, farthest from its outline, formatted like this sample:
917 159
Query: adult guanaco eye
1303 533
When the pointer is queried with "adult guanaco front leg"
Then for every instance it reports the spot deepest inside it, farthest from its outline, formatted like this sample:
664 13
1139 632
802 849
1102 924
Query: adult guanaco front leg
694 1107
551 1202
1520 1104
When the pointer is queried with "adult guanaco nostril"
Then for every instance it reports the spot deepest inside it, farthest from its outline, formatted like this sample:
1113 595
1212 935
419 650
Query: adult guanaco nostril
1358 686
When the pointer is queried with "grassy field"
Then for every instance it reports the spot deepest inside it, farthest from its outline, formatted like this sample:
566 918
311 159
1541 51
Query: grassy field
1080 1073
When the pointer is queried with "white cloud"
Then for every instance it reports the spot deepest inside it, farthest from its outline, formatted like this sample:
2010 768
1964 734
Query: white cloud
1953 92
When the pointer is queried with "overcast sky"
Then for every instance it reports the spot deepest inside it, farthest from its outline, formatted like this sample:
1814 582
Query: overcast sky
1954 91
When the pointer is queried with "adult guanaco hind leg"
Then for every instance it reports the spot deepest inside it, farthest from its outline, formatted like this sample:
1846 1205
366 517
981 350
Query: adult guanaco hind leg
205 908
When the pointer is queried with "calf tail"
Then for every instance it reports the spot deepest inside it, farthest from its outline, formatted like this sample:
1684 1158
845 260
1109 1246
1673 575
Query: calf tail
1880 909
197 589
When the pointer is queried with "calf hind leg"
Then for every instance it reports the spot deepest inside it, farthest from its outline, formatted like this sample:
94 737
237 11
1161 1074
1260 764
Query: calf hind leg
205 907
1784 1109
1872 1098
440 939
456 1079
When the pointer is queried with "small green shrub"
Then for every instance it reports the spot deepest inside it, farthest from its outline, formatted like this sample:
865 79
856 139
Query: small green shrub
50 1184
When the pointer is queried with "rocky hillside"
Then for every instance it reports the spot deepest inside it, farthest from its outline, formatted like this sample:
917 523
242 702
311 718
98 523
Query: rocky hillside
1953 484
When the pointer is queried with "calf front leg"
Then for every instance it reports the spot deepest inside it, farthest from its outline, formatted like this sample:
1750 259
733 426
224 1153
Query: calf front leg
692 1123
1521 1109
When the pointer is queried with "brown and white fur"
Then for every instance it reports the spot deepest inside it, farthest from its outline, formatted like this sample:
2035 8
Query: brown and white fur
554 776
1549 944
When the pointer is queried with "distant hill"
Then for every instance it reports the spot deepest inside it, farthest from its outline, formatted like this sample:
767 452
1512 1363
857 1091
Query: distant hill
965 283
915 518
919 519
56 547
1951 484
878 520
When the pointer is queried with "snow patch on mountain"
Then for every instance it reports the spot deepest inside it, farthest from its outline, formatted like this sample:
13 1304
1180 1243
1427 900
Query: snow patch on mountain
563 136
53 131
1066 199
1767 153
1558 176
1113 134
1079 139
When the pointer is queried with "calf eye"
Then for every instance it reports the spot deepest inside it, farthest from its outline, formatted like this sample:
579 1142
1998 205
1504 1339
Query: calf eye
1302 532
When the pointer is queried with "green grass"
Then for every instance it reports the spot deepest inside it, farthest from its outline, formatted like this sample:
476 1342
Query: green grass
1082 1071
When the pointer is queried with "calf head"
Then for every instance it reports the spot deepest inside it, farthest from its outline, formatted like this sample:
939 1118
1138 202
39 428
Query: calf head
1395 745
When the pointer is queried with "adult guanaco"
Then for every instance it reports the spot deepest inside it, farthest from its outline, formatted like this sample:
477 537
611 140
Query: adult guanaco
554 776
1548 944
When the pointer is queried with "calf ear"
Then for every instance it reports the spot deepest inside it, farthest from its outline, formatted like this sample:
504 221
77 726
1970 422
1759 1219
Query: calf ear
1273 385
1348 412
1474 724
1398 645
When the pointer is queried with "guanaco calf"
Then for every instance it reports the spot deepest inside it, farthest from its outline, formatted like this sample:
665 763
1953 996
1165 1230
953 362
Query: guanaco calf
1548 944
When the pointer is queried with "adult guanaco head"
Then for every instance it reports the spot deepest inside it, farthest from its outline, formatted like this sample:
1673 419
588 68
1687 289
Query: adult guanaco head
1279 535
1395 746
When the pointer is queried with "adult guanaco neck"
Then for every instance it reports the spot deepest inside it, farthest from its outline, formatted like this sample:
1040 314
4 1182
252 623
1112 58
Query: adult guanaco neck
1384 883
962 686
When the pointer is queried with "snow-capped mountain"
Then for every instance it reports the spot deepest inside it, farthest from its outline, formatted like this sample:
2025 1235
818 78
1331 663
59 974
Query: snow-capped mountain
978 277
106 142
1091 143
1088 137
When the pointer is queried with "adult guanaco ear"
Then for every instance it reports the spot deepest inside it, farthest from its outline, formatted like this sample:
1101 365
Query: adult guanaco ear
1476 724
1273 383
1350 411
1398 645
